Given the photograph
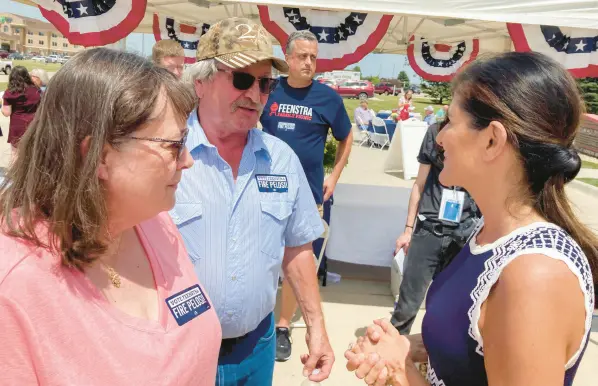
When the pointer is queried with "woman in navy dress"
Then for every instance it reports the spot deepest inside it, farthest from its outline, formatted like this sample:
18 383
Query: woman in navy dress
515 306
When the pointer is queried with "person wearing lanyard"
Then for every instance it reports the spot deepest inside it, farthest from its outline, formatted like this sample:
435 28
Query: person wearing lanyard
300 112
439 221
245 207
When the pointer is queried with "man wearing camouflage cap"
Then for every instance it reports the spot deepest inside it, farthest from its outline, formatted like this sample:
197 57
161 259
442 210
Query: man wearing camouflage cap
245 207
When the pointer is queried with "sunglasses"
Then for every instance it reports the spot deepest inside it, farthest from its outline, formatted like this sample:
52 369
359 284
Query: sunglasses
178 145
243 81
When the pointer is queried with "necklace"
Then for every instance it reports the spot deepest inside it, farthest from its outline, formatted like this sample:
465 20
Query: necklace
112 274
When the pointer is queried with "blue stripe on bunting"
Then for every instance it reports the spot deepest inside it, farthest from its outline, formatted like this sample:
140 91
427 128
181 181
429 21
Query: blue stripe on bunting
326 34
563 43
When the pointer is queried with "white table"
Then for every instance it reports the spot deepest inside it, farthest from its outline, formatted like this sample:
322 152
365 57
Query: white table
404 148
365 222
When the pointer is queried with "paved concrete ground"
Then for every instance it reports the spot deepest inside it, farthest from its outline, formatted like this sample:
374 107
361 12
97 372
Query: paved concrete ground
351 305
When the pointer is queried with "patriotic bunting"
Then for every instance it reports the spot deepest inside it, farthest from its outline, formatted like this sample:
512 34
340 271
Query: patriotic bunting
344 37
574 48
440 62
187 35
93 22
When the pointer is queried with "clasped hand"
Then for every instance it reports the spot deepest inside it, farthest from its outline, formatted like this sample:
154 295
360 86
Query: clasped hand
381 356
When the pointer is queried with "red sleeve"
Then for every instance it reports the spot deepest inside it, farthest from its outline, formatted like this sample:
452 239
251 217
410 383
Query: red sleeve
7 98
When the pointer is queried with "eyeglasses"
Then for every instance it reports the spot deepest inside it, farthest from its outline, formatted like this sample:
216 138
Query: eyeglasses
179 145
243 81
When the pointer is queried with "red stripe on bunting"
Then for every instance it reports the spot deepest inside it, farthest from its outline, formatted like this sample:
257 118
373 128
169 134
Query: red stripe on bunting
187 29
442 47
156 28
323 65
101 38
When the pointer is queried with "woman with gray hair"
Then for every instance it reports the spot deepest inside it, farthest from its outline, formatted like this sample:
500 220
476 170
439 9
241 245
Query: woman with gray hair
96 287
40 78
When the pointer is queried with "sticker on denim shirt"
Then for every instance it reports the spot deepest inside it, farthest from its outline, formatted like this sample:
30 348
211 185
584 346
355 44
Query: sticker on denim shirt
272 183
451 206
188 304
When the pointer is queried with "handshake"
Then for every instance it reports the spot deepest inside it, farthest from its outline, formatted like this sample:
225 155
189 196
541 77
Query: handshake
384 357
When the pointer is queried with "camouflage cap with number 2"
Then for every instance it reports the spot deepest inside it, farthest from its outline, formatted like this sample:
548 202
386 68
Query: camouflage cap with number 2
238 43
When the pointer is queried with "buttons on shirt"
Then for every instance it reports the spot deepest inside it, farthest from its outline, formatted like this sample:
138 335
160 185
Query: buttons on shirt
233 278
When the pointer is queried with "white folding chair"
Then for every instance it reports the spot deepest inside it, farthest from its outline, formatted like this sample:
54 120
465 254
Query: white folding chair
380 135
318 263
365 135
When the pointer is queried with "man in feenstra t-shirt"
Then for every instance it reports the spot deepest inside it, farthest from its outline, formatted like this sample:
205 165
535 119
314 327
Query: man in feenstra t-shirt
300 112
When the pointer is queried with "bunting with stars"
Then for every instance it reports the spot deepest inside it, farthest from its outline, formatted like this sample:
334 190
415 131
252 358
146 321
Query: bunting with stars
93 22
344 37
574 48
440 62
187 35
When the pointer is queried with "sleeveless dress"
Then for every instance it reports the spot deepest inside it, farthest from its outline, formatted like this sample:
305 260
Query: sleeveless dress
450 327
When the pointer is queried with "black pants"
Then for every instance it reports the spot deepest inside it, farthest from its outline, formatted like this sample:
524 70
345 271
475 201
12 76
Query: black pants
428 254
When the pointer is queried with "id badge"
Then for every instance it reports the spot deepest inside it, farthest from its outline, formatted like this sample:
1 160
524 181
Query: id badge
451 206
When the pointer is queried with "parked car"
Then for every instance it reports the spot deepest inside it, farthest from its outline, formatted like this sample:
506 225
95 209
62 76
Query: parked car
329 83
387 89
361 89
63 59
6 66
15 56
52 59
4 54
414 88
39 59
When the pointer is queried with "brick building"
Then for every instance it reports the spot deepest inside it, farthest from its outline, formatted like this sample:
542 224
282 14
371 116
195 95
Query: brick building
27 35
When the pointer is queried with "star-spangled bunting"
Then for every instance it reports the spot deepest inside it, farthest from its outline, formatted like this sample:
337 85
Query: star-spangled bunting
574 48
93 22
440 62
187 35
344 37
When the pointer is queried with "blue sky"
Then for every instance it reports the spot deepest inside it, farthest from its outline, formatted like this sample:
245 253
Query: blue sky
384 65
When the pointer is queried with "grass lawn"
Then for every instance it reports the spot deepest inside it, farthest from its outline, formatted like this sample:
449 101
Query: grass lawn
588 165
387 102
591 181
30 65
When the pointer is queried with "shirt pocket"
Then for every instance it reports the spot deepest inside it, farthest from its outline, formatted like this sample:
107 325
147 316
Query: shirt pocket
273 223
183 213
189 220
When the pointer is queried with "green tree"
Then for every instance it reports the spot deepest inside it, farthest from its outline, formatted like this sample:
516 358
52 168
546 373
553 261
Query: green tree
589 89
373 79
356 68
438 91
404 78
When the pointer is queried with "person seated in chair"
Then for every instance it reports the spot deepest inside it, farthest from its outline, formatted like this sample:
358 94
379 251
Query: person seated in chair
363 115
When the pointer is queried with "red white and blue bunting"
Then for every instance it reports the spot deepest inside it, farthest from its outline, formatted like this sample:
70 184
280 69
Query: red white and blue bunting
440 62
344 37
187 35
574 48
93 22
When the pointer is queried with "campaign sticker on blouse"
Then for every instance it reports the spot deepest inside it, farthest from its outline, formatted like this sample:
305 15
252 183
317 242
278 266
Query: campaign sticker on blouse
188 304
451 206
272 183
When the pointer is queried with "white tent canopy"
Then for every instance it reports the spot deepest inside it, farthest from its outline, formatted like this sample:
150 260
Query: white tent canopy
442 21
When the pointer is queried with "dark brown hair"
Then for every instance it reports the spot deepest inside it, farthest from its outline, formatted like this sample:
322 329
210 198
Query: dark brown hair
101 94
18 80
539 104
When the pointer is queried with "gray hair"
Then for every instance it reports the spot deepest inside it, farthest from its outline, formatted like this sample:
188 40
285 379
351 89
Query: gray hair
41 74
299 35
203 70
